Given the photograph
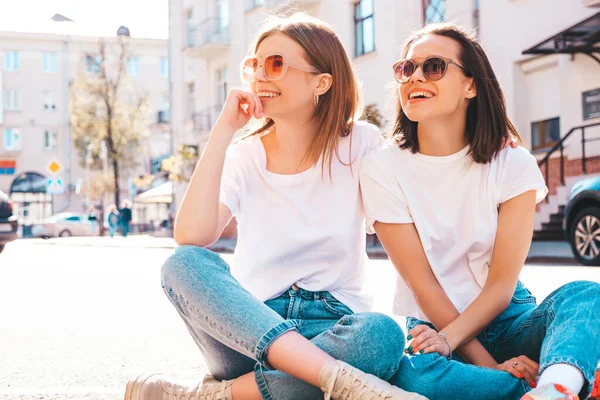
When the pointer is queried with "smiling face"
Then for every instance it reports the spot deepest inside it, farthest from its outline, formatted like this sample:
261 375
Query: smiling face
295 91
423 99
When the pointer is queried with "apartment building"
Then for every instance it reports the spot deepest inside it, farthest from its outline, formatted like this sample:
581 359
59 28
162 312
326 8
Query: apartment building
39 165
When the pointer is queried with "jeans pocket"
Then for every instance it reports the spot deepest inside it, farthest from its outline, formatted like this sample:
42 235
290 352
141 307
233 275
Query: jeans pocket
335 306
522 295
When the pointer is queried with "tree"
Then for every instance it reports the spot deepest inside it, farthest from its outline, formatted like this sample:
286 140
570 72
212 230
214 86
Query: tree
105 106
372 115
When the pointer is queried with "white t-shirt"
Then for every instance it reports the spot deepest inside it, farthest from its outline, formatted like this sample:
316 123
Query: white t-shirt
453 202
304 229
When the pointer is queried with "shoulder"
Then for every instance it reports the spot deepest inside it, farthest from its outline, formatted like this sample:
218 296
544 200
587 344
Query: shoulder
366 136
382 158
511 158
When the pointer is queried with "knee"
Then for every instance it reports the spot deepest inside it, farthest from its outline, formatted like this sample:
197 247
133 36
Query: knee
378 333
580 292
188 261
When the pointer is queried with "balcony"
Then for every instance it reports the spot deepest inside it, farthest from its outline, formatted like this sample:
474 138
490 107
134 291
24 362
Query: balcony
204 120
208 38
591 3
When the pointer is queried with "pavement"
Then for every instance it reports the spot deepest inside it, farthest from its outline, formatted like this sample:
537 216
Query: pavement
544 252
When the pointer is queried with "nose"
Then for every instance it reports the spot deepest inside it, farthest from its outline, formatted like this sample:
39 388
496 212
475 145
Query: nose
259 75
418 76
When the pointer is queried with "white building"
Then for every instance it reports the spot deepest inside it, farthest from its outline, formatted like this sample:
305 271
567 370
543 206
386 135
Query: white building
36 70
545 92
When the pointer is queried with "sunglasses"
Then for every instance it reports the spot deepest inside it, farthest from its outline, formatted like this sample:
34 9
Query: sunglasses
434 68
273 66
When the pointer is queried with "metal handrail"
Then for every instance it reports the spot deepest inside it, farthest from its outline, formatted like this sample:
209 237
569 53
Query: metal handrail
560 147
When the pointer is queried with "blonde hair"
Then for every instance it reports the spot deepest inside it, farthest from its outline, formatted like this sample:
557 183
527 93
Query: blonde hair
338 107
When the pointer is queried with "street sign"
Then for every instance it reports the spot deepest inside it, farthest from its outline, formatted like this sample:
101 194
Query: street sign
54 167
55 186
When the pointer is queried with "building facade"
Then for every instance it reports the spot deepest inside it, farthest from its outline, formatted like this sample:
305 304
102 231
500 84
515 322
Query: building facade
549 74
37 155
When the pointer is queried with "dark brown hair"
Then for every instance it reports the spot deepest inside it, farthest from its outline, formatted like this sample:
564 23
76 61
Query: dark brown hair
488 126
337 108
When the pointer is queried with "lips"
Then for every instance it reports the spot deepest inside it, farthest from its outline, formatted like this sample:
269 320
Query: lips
266 94
420 94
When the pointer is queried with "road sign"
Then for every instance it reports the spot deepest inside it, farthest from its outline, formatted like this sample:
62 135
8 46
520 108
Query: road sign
55 186
54 167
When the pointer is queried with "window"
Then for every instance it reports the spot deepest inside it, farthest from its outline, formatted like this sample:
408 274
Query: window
74 218
49 62
191 100
164 67
92 64
49 101
133 66
12 100
545 134
191 29
364 27
50 139
255 3
433 11
221 86
11 61
12 139
223 15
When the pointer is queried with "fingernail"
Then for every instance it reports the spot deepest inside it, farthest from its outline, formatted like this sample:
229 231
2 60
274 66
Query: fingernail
409 337
410 350
421 352
520 375
533 385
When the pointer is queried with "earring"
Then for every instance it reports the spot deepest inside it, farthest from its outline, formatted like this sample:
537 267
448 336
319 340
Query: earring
316 100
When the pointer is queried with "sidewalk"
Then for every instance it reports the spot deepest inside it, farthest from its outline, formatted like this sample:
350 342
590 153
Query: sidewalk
546 252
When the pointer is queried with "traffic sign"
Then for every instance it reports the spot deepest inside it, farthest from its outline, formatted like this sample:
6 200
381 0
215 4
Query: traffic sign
55 186
54 167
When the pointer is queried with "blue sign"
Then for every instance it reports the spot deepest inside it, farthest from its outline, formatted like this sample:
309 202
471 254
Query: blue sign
55 186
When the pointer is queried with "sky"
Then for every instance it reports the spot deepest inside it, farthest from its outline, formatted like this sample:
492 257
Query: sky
144 18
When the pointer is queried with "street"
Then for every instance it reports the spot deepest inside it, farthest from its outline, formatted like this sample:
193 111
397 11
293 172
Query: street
78 321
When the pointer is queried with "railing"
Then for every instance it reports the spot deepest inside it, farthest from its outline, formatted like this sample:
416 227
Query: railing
204 120
209 31
545 162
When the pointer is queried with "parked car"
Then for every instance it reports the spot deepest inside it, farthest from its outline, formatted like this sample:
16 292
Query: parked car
62 225
581 222
8 222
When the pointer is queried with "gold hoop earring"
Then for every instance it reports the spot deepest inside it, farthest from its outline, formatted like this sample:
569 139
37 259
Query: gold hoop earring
316 99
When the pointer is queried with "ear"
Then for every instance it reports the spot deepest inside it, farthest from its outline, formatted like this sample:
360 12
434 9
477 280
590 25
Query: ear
471 89
323 84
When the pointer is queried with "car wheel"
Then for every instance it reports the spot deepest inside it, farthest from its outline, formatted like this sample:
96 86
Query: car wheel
584 236
65 233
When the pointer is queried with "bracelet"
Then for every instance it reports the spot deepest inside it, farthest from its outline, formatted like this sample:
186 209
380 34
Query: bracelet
443 335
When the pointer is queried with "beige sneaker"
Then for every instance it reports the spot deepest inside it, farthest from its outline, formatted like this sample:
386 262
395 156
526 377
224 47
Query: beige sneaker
341 381
153 386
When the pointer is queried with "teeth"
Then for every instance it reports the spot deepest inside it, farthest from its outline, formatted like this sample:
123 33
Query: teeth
267 94
420 94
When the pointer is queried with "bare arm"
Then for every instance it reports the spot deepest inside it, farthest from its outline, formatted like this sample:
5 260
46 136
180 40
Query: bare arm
403 246
201 217
513 239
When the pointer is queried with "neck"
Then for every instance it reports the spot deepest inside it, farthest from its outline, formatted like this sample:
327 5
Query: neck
443 136
290 138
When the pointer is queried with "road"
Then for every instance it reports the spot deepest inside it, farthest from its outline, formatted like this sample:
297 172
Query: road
78 321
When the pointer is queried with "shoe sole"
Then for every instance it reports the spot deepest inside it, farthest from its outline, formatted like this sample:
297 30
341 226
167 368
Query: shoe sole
134 387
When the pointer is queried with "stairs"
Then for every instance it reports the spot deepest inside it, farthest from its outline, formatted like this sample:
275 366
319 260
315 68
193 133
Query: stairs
552 231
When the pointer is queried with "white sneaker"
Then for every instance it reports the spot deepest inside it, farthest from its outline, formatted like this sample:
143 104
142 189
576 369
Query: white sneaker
341 381
157 386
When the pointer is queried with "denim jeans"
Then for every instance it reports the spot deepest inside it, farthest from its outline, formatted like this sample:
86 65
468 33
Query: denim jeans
562 329
234 330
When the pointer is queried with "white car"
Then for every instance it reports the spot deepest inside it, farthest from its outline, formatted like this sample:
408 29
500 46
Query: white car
63 225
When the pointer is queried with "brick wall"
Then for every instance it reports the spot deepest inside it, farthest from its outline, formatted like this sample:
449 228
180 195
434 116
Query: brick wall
572 168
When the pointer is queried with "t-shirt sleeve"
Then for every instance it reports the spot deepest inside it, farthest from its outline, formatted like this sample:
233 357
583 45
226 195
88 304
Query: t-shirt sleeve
374 138
383 198
231 180
520 174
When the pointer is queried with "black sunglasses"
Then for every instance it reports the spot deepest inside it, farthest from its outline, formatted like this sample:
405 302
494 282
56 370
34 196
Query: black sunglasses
434 68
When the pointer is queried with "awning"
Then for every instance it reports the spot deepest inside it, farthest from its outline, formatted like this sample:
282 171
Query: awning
160 194
583 37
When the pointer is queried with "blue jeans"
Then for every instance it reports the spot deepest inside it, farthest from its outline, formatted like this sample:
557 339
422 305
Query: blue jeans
234 330
124 229
562 329
112 229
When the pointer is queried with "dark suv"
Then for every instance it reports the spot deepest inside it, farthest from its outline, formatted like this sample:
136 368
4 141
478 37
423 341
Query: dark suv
8 222
582 221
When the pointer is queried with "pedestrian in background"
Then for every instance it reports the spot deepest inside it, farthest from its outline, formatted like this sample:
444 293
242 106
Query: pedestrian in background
125 219
93 218
113 219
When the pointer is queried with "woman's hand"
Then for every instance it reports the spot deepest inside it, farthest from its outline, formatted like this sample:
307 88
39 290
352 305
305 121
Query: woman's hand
239 107
426 340
523 368
510 141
